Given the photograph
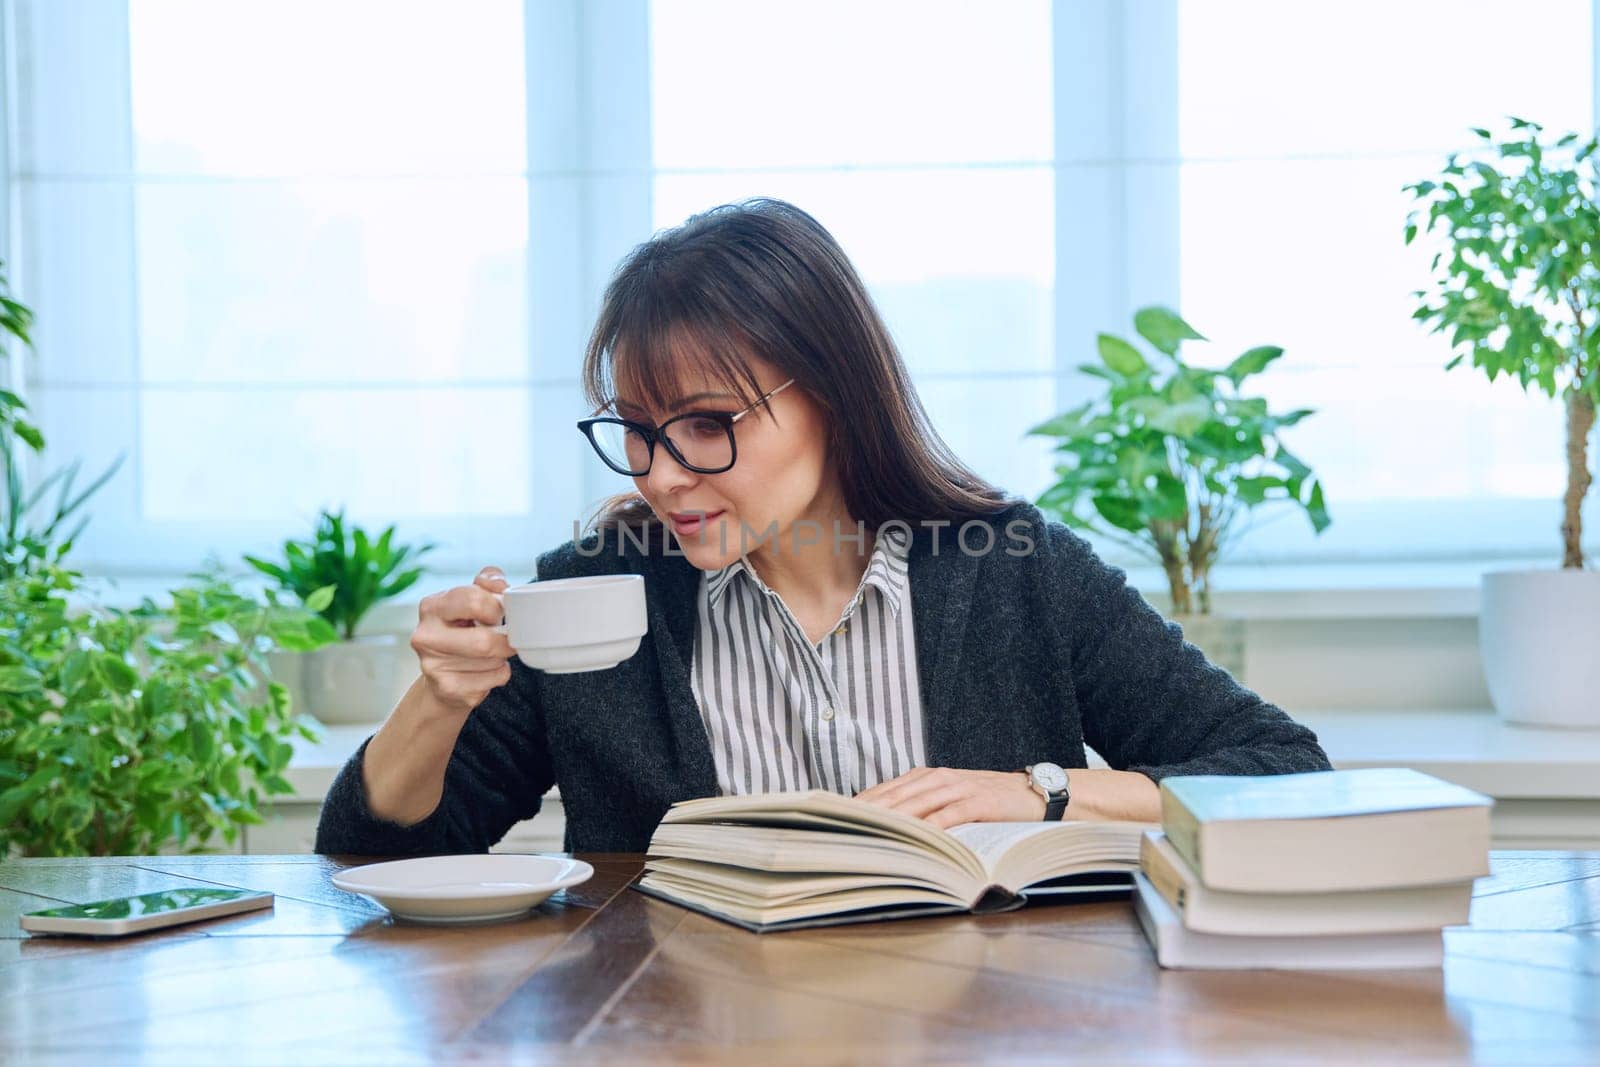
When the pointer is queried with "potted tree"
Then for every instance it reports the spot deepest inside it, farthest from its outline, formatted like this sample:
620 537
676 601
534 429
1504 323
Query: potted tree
357 679
1517 288
1169 459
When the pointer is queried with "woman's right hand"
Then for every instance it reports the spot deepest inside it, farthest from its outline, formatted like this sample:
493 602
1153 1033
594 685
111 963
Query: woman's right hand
462 656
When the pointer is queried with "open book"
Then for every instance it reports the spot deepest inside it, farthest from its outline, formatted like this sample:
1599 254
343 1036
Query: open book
778 861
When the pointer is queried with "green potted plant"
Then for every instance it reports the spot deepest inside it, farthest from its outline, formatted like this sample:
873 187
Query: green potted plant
359 678
1516 287
1168 460
128 732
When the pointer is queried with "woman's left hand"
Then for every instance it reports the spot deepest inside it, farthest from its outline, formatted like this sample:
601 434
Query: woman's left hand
946 796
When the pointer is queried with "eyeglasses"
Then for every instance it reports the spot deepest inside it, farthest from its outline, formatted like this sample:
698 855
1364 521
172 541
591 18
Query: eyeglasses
701 441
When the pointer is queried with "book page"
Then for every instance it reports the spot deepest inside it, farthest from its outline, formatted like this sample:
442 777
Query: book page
784 850
991 840
1017 854
822 809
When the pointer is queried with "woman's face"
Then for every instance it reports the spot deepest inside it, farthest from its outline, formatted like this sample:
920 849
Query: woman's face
780 476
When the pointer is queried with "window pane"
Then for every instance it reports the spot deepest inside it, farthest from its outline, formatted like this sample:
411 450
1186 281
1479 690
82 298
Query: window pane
983 421
883 82
1411 433
1308 254
264 87
77 244
960 262
351 281
281 453
1267 78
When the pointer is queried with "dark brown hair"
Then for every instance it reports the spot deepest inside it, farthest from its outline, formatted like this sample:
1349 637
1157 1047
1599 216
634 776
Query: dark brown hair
763 277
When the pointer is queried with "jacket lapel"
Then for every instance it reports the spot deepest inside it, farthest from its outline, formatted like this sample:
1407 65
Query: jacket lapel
941 600
672 585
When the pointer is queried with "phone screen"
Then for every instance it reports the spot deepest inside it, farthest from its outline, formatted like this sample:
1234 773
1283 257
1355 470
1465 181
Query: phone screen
146 903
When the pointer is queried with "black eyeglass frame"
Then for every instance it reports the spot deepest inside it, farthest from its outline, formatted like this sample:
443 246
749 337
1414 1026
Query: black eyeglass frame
652 434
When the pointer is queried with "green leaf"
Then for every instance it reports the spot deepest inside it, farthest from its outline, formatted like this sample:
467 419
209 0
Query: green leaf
117 675
1164 329
21 679
1121 357
1317 509
77 666
29 434
1183 419
272 570
1254 490
13 799
1065 424
320 632
320 599
401 583
1170 501
1120 512
1298 471
202 741
1281 421
1252 362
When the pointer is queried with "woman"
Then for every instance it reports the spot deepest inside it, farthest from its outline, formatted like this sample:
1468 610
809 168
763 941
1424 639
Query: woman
834 600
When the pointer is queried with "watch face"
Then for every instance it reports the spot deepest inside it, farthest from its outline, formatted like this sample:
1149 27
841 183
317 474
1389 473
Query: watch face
1050 777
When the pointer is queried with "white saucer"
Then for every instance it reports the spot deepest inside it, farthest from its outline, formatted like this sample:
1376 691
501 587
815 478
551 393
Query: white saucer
463 889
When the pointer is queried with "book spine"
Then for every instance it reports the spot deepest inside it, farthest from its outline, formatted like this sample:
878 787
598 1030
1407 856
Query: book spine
996 899
1167 881
1182 830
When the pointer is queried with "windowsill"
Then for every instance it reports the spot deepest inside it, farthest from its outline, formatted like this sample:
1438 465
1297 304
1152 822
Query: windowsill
1471 747
1418 590
1414 590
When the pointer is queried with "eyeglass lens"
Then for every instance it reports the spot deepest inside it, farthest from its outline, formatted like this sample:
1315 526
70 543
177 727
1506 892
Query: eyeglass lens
700 442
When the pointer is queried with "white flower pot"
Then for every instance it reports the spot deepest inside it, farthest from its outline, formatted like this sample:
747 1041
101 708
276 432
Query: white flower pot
1220 637
1539 636
355 681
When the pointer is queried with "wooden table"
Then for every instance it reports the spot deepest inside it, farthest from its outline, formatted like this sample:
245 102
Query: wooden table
602 974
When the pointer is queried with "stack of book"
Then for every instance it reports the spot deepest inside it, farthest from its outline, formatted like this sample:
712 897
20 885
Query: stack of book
1328 870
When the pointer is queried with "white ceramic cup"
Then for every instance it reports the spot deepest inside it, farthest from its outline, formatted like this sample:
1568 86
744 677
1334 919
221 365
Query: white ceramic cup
575 624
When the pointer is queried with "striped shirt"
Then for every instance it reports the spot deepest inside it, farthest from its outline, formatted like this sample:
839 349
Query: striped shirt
782 713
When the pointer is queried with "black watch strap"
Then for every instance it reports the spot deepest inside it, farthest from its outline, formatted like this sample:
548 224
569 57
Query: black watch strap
1054 805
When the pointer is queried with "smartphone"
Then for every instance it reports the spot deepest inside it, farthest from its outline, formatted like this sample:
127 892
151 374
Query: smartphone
147 911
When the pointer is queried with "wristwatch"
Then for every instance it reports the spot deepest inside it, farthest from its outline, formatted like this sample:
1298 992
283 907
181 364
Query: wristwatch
1050 782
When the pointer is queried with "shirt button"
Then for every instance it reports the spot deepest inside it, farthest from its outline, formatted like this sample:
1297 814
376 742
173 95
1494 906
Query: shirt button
827 714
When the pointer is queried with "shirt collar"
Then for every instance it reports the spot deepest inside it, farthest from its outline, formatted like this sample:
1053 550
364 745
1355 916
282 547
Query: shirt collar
886 570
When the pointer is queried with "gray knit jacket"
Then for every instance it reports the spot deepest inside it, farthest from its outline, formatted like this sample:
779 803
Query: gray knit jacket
1023 656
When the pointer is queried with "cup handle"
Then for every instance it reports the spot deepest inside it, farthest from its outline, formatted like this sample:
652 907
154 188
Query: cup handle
502 627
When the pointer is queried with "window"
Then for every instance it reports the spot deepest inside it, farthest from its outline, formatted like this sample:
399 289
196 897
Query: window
287 269
279 268
939 187
1298 125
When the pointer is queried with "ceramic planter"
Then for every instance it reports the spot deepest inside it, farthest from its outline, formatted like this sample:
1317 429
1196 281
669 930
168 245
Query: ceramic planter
1539 636
355 681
